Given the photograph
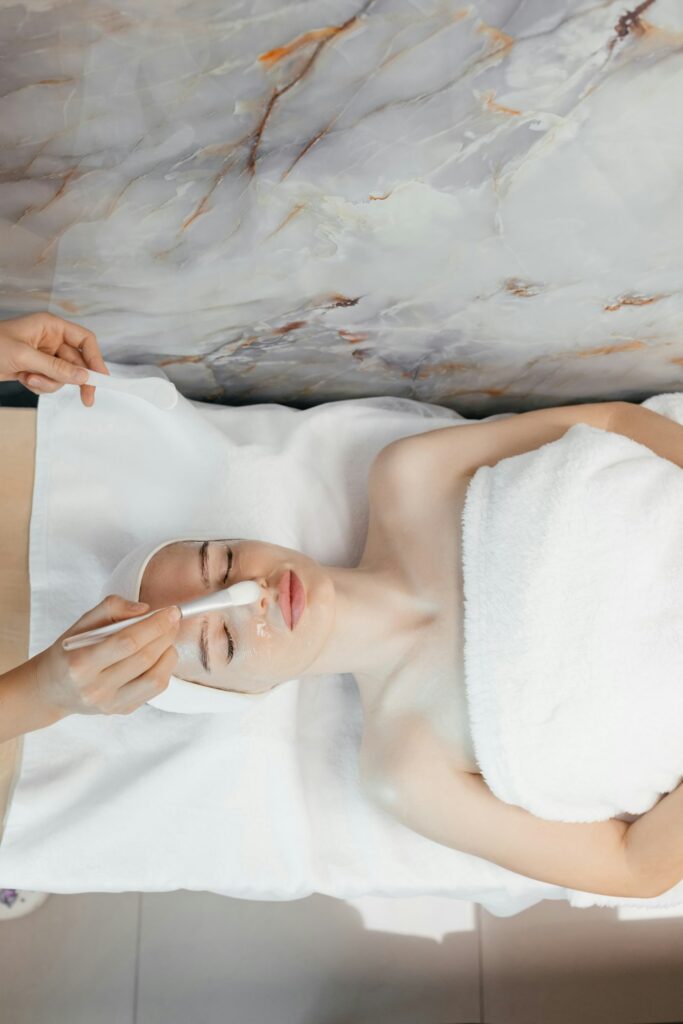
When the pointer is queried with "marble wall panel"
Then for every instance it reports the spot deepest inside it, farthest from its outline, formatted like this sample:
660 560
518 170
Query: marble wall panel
473 204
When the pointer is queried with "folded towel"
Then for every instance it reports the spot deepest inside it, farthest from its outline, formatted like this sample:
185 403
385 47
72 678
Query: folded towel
573 570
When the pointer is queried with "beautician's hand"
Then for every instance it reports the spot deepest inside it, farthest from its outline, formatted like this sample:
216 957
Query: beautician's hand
43 352
114 676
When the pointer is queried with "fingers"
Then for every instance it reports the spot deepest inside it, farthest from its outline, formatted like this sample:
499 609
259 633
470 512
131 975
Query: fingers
137 664
153 682
72 355
41 385
114 608
82 340
49 335
83 344
92 355
129 642
30 358
37 384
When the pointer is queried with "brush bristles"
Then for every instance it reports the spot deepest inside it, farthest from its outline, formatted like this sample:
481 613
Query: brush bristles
245 592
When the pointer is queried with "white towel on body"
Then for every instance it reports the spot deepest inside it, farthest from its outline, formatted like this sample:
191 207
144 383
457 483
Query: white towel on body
573 570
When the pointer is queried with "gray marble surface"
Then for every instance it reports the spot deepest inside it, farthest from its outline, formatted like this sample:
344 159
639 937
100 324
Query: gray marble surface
478 205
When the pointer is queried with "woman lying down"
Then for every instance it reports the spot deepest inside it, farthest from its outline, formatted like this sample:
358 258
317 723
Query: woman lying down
396 622
441 748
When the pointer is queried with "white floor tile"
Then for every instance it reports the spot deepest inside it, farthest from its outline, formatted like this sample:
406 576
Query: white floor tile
556 964
72 961
215 960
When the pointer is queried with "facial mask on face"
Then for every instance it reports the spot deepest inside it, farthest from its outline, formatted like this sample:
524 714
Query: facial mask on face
180 695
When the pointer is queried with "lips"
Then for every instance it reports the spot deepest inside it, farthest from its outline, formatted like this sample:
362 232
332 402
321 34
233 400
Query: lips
292 597
283 593
297 598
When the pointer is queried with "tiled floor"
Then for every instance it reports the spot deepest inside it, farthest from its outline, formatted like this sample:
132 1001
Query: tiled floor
177 957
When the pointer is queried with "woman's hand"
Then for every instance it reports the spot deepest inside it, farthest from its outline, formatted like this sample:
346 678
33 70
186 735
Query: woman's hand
115 676
44 352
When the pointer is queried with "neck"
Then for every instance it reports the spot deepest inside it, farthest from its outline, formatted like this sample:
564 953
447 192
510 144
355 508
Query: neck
378 621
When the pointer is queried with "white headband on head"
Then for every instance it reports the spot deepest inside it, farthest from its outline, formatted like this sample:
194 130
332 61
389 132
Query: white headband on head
180 695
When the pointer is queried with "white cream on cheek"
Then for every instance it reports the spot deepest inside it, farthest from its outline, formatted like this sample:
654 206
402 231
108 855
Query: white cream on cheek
260 647
187 653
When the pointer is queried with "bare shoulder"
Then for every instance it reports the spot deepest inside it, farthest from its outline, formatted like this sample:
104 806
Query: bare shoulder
418 465
414 451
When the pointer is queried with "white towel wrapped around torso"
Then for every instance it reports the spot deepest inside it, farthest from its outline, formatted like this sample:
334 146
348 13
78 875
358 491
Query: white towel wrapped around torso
573 578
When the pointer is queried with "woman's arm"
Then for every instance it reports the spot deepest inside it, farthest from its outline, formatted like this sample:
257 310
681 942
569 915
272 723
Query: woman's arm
113 677
654 842
457 809
662 435
22 709
450 454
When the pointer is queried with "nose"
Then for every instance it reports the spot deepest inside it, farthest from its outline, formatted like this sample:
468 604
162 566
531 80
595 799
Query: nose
269 603
267 607
269 593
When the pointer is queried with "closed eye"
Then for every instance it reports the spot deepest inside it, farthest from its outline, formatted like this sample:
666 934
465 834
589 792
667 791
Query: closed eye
204 570
231 645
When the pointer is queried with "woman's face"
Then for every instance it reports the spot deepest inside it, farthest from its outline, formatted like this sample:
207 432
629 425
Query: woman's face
248 648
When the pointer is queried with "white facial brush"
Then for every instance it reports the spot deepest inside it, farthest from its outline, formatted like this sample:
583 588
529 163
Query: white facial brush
159 392
245 592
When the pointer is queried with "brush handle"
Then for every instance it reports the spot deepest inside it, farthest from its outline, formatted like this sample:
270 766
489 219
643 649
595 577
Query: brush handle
197 606
93 636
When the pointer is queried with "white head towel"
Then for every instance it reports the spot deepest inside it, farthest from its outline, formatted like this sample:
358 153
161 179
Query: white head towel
180 695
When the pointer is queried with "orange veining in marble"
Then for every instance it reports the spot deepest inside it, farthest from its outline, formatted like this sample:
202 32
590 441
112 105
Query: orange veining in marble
180 359
490 104
501 40
290 327
517 287
294 212
604 350
436 370
352 338
273 56
632 300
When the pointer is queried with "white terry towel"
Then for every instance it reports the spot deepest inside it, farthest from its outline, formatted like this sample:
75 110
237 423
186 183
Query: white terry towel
262 807
260 803
573 572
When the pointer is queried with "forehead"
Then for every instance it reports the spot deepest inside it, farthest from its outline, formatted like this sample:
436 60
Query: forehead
176 547
185 550
173 550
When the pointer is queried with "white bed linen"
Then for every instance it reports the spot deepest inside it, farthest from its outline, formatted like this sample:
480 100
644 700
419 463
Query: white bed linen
265 809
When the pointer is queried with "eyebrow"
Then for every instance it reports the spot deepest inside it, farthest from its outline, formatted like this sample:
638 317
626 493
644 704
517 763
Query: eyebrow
204 562
204 645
